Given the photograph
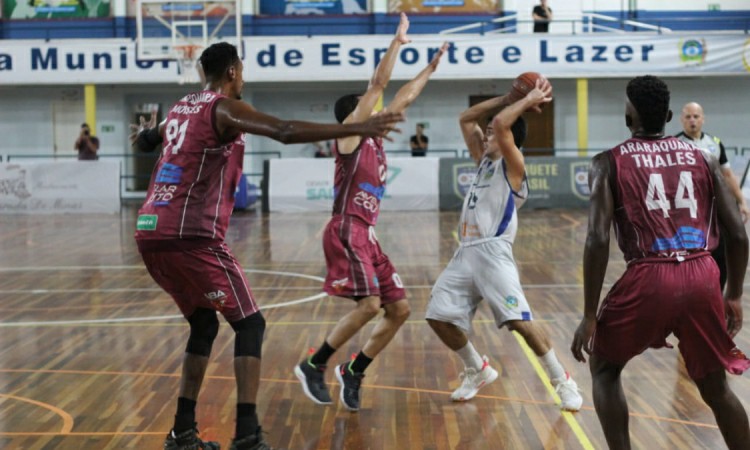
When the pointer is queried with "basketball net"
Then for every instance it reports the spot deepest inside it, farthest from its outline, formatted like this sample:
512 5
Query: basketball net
187 63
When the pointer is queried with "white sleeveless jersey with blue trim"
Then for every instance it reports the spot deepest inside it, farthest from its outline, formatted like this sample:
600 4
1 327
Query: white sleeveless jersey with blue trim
490 206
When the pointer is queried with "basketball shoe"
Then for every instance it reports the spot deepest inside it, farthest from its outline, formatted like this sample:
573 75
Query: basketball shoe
350 383
472 380
188 440
567 390
252 442
313 383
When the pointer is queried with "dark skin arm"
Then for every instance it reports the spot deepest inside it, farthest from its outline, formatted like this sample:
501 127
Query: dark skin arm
736 246
595 253
235 116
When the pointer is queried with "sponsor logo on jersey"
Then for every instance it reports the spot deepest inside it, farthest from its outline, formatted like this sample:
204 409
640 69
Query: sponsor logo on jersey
511 301
169 173
374 190
339 285
693 51
375 281
366 201
685 238
146 222
579 179
463 177
217 298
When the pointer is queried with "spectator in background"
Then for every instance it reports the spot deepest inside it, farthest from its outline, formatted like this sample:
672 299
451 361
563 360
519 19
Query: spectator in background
542 15
419 142
87 145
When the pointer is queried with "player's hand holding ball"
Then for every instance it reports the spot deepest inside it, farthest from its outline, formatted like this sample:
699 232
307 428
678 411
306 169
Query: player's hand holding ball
532 87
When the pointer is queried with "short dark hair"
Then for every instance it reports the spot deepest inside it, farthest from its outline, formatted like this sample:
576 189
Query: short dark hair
649 95
345 106
519 131
217 59
84 124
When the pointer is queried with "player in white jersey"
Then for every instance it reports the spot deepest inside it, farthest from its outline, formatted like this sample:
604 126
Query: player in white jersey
483 266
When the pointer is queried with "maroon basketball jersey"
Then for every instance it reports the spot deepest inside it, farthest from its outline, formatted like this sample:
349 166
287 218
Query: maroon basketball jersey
191 193
359 182
664 199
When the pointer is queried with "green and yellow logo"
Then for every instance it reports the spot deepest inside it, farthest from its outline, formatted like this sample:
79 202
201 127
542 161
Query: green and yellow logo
146 222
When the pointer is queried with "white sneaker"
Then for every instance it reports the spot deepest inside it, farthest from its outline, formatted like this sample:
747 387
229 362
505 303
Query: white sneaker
473 380
567 390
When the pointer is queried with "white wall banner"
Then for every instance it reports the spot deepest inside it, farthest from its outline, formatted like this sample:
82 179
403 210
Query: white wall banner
303 184
339 58
60 187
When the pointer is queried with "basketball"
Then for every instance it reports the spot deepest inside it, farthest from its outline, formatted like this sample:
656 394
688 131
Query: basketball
523 84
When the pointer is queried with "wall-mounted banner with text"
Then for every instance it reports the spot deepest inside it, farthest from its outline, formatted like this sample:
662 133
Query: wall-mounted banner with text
54 9
444 6
353 58
312 7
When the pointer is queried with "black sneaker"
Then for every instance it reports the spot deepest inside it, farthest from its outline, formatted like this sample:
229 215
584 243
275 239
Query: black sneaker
350 382
313 383
252 442
188 440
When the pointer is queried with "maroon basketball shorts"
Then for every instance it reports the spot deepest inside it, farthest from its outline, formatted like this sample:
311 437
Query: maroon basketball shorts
357 266
653 300
203 278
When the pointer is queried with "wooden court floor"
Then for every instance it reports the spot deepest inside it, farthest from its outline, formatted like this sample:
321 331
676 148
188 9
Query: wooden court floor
91 348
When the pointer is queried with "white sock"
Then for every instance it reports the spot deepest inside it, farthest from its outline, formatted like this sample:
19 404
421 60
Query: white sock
470 357
554 368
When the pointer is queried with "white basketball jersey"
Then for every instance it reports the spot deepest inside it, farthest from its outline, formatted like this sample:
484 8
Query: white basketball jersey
490 205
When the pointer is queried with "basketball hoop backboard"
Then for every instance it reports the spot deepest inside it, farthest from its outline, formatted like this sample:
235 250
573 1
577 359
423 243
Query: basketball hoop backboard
170 29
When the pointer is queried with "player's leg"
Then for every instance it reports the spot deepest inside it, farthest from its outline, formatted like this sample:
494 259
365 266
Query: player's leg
167 271
499 283
452 305
728 411
226 288
709 351
609 402
565 387
393 301
248 340
311 371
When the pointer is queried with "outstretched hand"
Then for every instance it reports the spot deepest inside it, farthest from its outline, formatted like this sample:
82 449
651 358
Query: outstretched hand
403 27
382 123
436 59
582 339
540 95
142 125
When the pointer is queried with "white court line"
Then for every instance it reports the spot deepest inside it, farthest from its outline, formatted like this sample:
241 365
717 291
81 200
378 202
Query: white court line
141 319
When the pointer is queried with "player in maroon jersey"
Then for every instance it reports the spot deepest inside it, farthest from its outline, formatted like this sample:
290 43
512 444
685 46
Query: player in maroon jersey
182 224
664 197
357 267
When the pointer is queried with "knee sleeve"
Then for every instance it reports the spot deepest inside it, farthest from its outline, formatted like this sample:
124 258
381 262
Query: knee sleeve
204 326
248 337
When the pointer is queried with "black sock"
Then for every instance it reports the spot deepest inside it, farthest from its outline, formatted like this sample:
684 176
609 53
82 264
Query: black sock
324 353
185 417
360 363
247 420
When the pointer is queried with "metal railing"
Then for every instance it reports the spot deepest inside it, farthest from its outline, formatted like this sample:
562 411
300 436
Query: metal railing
584 21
